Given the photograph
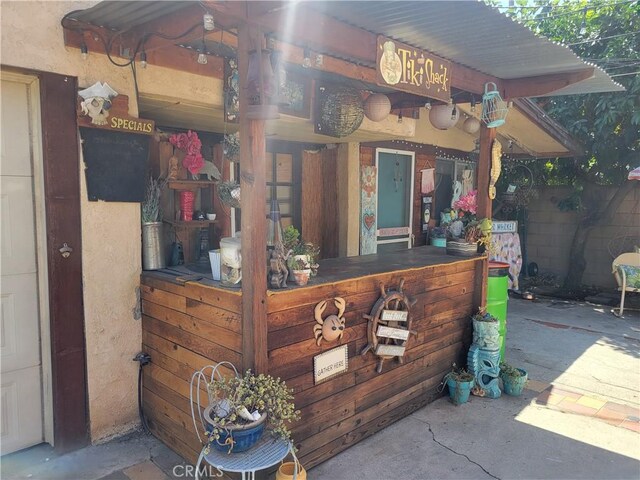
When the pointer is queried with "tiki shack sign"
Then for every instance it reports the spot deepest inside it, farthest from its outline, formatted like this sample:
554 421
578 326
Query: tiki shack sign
411 70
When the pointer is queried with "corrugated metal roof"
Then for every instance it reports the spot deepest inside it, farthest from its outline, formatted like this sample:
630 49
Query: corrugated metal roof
116 15
466 32
472 34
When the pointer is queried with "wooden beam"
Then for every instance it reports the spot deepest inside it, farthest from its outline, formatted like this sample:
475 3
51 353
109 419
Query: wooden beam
543 84
321 32
487 136
253 222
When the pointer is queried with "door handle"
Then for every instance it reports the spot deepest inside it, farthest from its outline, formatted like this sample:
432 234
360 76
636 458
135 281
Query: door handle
65 251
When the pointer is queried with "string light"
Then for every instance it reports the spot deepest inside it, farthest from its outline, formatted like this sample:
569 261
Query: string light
400 117
84 51
306 61
583 27
202 56
473 104
427 105
143 59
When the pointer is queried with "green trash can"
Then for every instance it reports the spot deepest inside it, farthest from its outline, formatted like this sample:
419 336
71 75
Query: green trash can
497 296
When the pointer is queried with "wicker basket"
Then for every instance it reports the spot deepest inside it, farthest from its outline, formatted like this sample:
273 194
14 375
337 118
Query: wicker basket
339 112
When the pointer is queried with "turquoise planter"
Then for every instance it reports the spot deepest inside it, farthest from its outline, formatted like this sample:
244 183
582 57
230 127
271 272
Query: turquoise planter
459 391
439 242
514 385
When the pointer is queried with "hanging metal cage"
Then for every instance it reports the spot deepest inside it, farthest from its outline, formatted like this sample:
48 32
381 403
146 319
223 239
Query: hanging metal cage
494 109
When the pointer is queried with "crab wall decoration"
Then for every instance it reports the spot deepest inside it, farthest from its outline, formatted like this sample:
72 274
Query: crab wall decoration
332 327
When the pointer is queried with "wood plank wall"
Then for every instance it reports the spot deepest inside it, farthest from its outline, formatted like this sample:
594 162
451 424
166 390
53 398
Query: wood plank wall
342 411
319 200
183 329
423 160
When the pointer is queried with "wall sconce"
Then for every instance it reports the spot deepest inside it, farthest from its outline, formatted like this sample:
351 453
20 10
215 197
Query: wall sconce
208 23
306 61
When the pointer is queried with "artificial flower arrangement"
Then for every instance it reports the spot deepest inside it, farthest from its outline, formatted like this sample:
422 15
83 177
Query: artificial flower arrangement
191 145
464 224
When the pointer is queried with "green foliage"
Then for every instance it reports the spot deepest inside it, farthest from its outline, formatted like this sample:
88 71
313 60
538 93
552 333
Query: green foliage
254 392
606 124
290 238
509 371
458 374
150 208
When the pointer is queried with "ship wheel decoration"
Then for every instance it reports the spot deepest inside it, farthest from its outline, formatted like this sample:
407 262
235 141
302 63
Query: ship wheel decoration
389 325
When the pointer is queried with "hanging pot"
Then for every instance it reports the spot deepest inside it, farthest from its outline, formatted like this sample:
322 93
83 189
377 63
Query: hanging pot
152 255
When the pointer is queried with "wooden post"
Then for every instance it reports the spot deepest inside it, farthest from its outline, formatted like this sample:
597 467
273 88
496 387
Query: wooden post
253 222
487 136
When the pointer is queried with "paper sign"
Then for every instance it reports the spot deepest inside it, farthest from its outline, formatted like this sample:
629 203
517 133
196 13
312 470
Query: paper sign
390 332
394 315
504 227
329 364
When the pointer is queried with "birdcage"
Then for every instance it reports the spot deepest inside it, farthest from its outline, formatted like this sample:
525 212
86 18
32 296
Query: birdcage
494 109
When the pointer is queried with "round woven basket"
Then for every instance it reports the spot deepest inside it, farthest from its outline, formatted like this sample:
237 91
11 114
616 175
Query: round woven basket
340 111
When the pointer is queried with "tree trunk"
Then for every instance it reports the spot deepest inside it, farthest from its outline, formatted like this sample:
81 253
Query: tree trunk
592 219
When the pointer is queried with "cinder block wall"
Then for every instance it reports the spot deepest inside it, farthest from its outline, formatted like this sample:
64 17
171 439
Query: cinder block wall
551 234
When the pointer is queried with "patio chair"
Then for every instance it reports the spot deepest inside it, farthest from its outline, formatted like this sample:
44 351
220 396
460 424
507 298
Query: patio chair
626 270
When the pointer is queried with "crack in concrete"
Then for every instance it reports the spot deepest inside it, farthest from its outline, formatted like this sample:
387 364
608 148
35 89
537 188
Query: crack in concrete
433 436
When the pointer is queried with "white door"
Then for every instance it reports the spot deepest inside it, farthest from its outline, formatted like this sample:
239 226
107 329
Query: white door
21 372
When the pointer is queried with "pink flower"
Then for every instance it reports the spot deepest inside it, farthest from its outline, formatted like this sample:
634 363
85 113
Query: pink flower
468 202
193 163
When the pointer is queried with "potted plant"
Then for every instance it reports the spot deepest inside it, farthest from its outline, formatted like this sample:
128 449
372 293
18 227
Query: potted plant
514 379
467 238
460 383
151 216
486 331
243 407
439 237
300 269
300 250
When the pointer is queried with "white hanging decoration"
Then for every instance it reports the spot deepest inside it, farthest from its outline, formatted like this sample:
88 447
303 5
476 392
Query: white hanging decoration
377 107
471 125
443 117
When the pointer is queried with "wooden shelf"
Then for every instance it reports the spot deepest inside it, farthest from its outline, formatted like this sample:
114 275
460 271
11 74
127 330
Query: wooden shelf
191 224
190 184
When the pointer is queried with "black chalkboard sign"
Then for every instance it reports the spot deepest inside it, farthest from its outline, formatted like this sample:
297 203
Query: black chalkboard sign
116 164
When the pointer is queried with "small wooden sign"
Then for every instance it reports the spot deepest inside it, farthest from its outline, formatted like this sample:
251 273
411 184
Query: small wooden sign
394 315
330 363
412 70
118 118
393 231
510 226
390 350
390 332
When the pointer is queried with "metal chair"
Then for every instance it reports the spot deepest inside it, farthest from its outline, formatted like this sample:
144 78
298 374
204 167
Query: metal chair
626 270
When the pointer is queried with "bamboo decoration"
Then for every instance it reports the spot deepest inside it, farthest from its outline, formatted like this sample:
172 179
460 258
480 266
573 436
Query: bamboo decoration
496 167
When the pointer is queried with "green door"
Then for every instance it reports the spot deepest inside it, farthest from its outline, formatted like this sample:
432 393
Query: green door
395 192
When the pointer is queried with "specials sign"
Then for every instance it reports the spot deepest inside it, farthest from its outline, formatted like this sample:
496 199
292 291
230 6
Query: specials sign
329 364
412 70
111 115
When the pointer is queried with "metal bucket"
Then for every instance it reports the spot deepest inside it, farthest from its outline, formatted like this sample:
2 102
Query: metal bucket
152 255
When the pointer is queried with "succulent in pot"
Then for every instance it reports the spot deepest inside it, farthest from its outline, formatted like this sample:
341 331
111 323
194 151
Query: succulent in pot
242 408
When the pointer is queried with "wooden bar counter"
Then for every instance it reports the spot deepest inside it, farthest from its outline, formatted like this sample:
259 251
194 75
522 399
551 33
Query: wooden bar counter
188 326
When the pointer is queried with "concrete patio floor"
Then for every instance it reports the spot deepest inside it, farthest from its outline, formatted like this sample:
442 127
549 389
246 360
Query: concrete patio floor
578 418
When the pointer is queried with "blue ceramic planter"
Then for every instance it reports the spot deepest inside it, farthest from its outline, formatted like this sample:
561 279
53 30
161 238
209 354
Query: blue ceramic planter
239 439
514 385
459 391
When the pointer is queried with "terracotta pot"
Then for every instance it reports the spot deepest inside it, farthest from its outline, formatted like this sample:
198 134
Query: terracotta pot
301 277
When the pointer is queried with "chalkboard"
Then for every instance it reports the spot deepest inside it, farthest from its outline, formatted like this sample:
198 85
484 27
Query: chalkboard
116 164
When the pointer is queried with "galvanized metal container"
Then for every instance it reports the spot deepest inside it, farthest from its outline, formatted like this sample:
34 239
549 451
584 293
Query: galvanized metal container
152 254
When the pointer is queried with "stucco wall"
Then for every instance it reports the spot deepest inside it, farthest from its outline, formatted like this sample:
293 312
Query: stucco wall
32 38
551 234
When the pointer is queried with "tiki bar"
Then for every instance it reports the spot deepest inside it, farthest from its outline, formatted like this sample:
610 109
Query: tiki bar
308 161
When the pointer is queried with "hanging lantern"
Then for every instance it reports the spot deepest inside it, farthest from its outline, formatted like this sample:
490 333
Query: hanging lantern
377 107
494 109
471 125
443 117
